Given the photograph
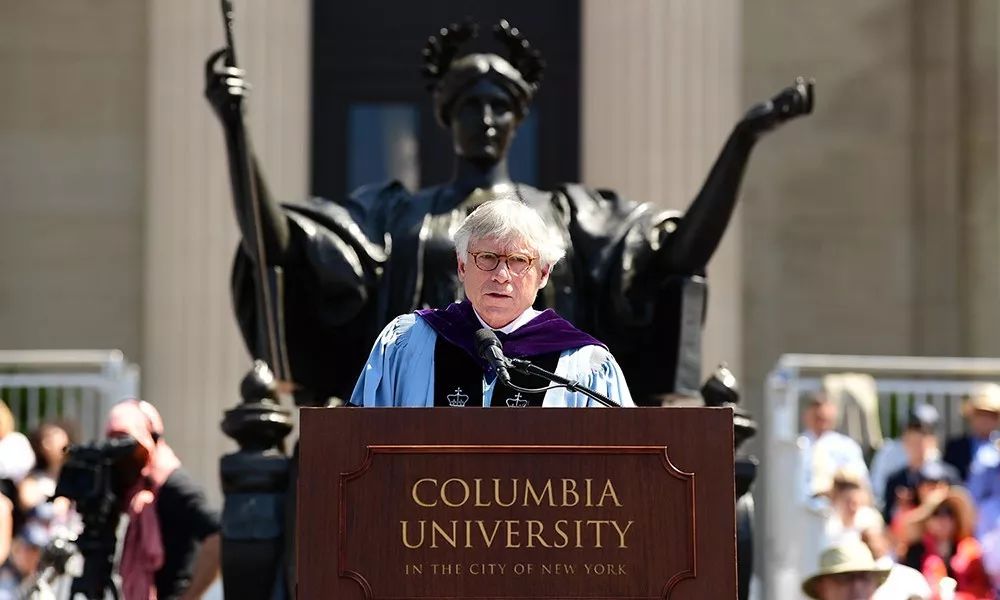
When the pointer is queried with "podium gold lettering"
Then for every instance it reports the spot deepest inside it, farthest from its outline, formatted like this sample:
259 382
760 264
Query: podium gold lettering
597 531
438 530
609 491
569 491
512 532
487 568
416 498
465 492
529 490
513 493
561 532
406 541
479 494
535 533
621 533
489 538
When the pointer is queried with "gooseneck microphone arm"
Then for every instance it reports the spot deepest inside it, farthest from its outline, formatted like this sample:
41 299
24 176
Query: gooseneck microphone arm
489 348
528 368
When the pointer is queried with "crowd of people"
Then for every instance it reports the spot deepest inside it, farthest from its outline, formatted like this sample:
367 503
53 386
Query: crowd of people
30 518
922 522
170 548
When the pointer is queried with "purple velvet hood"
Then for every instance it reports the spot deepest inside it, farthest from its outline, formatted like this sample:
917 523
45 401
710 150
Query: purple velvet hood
547 332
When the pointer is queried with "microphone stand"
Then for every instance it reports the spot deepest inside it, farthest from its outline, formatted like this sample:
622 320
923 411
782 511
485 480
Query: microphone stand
528 368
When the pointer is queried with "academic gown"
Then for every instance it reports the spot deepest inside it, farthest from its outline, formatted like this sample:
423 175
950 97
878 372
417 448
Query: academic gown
400 368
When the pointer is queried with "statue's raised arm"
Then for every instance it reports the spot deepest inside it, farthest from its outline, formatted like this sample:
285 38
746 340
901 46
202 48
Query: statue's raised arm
698 234
317 264
226 89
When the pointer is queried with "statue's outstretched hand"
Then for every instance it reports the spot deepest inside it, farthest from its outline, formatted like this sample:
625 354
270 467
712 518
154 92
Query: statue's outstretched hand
225 87
793 101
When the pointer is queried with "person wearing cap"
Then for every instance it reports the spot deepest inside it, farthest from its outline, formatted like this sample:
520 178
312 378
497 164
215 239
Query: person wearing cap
847 571
920 445
892 455
982 415
941 544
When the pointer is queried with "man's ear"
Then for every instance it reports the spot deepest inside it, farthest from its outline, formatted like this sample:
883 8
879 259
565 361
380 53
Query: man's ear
545 277
461 271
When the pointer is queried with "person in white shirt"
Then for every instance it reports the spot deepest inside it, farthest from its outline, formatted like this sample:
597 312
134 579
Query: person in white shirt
852 510
824 451
903 583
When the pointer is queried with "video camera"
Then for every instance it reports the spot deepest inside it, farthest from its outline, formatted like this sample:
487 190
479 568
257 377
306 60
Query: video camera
93 478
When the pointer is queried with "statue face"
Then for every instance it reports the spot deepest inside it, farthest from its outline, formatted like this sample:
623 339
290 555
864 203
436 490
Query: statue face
500 296
483 122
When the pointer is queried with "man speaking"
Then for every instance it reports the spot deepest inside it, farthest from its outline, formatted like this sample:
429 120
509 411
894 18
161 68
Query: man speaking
449 357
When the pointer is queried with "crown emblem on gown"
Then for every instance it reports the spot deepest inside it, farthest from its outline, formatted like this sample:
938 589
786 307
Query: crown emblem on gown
457 398
517 401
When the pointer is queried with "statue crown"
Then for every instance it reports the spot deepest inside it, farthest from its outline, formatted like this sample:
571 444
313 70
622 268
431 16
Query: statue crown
442 49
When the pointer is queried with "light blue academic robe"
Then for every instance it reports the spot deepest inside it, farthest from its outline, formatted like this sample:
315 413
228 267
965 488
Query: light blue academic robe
400 371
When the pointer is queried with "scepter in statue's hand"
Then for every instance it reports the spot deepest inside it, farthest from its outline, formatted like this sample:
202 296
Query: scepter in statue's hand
262 223
225 86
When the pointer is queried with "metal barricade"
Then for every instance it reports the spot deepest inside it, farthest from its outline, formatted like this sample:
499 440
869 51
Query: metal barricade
789 528
79 386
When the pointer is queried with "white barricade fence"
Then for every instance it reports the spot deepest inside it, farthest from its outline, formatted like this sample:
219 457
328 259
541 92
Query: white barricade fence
78 386
75 386
790 533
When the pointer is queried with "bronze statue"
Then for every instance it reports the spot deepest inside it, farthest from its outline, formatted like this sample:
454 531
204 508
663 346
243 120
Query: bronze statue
326 275
634 274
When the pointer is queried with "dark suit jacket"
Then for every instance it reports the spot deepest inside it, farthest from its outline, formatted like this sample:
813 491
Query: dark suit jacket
958 453
901 478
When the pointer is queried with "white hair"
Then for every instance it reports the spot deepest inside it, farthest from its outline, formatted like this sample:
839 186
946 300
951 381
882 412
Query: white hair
510 221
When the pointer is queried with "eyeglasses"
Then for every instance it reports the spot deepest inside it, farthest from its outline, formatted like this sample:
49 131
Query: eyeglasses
517 264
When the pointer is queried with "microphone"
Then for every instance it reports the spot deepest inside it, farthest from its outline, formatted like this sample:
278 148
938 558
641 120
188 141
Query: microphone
490 350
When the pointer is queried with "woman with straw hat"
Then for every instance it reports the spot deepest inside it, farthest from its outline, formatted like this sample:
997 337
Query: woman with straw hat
846 571
942 544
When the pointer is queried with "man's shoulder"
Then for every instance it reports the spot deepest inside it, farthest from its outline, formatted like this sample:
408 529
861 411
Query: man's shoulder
835 437
590 354
403 332
180 484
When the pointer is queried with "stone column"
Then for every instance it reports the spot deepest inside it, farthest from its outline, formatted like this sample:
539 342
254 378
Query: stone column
661 92
980 211
193 356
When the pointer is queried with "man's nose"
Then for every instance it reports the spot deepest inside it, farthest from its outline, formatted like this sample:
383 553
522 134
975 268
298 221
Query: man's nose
501 274
488 117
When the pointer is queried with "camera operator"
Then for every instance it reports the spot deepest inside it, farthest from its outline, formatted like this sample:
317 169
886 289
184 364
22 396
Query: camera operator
171 547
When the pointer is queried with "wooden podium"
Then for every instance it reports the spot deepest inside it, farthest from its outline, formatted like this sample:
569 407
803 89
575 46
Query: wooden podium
532 503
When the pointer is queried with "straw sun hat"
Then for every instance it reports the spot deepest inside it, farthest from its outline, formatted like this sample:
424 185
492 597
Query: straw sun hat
986 397
849 556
